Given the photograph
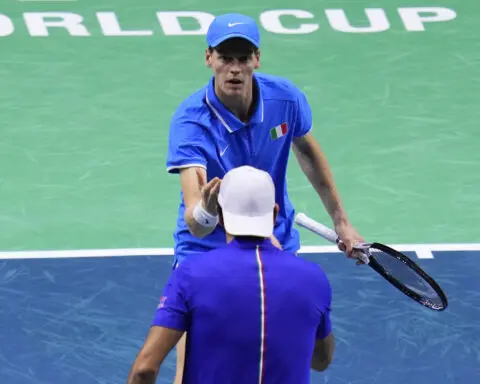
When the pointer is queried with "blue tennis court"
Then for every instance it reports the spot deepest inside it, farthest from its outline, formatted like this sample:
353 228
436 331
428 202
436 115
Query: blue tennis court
83 319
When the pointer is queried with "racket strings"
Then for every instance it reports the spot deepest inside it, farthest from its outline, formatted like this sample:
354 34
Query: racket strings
397 269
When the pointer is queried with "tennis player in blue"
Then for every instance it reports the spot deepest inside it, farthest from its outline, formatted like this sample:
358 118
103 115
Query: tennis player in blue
252 312
242 117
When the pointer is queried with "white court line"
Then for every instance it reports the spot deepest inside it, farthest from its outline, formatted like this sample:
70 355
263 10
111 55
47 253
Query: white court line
81 253
423 251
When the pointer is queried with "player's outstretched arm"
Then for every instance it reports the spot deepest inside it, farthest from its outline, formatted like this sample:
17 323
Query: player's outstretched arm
314 165
200 200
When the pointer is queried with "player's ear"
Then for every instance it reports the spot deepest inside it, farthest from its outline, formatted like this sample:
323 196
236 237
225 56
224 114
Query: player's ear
208 57
276 209
257 59
220 216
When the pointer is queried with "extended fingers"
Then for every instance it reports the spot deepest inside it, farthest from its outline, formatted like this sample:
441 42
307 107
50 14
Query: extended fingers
210 194
212 184
215 188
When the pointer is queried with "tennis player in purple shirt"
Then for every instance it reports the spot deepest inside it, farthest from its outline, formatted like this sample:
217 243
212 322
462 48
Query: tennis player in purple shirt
252 313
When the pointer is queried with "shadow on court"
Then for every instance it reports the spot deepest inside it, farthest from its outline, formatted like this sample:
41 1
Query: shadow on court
83 320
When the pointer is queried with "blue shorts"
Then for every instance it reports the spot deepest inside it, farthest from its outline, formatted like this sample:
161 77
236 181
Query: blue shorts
175 264
179 259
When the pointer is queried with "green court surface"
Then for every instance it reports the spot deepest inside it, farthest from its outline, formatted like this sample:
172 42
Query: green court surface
84 119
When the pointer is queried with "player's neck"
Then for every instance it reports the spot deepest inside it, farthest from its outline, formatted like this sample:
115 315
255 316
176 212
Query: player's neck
241 106
253 239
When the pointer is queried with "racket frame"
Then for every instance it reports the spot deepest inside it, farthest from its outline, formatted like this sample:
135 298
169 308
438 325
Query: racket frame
368 258
377 267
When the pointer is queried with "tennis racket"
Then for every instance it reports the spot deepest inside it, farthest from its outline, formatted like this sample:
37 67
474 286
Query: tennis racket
398 269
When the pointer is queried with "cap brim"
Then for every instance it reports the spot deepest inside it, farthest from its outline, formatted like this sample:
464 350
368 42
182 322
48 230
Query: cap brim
229 36
237 225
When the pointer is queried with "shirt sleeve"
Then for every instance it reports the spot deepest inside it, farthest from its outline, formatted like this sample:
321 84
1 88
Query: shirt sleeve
173 309
303 122
187 142
325 303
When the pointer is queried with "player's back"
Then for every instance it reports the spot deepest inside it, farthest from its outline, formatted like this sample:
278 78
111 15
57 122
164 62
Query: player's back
254 312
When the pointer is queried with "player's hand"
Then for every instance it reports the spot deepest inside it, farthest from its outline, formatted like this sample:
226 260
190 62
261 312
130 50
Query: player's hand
349 238
209 193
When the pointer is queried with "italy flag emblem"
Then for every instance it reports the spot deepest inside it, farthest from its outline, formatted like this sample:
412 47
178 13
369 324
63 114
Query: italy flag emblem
278 131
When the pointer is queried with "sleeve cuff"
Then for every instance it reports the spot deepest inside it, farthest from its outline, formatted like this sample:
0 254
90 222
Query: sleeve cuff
169 320
305 132
177 168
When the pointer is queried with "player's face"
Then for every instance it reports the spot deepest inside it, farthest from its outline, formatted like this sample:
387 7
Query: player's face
233 64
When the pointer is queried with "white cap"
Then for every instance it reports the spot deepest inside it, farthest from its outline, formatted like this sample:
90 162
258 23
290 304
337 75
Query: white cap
247 198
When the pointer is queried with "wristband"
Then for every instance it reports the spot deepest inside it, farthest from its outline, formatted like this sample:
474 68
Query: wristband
204 218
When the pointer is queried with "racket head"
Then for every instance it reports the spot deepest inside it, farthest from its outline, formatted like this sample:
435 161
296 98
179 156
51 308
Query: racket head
407 276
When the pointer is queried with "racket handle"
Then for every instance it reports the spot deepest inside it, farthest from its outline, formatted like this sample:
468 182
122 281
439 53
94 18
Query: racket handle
306 222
